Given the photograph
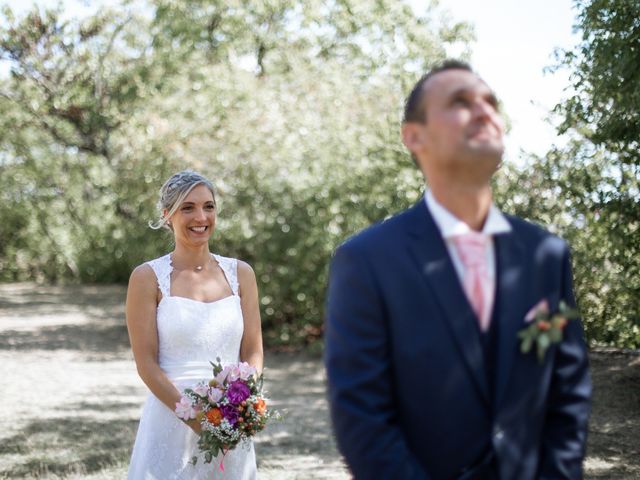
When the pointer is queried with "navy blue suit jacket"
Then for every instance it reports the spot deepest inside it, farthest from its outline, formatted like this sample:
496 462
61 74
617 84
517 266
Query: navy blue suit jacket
407 378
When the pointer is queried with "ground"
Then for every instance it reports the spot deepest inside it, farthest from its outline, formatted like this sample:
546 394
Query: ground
71 397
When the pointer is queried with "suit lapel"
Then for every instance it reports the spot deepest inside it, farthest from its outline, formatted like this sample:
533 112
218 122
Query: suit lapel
511 295
430 252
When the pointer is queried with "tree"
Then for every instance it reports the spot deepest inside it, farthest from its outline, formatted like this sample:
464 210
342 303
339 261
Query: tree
293 108
590 190
72 87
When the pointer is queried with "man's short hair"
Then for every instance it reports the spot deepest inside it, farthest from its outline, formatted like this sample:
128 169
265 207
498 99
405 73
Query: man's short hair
414 110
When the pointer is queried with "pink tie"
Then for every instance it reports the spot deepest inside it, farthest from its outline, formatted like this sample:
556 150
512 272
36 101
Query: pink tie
471 248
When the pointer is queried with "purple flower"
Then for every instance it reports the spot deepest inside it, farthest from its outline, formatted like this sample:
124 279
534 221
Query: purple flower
238 392
230 413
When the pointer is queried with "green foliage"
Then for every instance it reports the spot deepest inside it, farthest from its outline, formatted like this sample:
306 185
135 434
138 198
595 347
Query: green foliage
71 89
576 192
606 76
292 108
589 191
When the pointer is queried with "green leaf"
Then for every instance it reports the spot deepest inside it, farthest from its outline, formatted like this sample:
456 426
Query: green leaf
543 344
540 352
555 335
543 340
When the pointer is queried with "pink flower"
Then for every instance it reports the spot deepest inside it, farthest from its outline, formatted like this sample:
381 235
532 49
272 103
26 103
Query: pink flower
215 394
185 409
201 389
541 307
234 373
246 370
222 376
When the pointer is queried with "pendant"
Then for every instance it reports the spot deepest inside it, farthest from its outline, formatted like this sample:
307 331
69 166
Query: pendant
198 268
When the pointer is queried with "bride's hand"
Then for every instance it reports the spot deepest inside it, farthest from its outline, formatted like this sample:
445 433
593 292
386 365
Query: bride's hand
194 424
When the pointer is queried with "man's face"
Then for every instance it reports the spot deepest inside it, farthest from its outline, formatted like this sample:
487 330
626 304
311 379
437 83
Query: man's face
463 131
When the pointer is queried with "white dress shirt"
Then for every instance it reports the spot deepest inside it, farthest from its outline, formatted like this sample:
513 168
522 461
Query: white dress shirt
451 226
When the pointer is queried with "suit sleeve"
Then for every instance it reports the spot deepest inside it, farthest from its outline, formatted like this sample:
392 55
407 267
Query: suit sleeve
360 383
569 401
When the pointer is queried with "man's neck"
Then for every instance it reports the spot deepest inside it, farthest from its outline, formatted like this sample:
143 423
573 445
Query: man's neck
469 204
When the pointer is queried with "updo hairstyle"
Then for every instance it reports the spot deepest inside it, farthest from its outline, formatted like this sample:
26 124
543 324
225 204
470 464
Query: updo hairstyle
173 193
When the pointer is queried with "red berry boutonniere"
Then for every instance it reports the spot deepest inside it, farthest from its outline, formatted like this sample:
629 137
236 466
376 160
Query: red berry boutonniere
544 328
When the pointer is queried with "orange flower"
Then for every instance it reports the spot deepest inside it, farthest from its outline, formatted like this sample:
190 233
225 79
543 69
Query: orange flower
260 406
559 322
544 325
214 416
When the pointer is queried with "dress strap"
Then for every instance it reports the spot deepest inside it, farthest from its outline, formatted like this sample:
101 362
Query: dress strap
162 268
230 268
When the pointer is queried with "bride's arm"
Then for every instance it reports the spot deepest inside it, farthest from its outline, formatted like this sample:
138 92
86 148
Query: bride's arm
142 305
251 347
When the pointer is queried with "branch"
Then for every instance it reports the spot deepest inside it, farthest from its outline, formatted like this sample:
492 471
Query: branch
98 92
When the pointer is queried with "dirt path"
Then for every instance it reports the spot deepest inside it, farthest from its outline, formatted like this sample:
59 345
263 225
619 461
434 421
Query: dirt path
71 398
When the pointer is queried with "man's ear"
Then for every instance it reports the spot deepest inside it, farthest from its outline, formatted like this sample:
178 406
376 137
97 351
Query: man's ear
412 136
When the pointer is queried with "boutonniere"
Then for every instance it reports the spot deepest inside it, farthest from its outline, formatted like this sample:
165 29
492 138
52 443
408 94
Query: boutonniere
544 328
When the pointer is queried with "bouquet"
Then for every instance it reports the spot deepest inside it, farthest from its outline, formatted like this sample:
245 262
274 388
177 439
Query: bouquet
230 408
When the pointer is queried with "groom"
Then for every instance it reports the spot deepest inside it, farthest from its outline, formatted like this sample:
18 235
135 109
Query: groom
426 376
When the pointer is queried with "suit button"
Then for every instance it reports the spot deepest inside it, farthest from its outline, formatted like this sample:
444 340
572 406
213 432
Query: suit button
498 434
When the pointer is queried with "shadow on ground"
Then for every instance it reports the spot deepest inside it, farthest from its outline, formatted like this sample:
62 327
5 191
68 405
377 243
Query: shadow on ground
91 434
96 338
27 298
295 385
614 430
67 445
88 319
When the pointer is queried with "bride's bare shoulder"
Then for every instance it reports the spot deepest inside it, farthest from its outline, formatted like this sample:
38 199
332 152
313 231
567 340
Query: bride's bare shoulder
143 279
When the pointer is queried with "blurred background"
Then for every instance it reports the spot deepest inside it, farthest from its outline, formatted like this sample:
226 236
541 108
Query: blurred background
293 109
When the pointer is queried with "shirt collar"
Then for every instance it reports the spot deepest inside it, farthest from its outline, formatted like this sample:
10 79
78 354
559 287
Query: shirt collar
451 226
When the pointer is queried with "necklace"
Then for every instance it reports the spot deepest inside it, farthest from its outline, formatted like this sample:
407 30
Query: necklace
196 268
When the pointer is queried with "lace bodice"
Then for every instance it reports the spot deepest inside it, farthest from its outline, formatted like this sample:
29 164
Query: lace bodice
193 333
190 335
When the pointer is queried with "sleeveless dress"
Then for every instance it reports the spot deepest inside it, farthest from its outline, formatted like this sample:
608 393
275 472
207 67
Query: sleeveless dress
190 334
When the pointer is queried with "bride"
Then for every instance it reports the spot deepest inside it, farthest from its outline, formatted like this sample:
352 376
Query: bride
183 310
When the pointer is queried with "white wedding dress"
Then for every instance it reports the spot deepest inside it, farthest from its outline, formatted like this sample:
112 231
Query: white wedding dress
190 334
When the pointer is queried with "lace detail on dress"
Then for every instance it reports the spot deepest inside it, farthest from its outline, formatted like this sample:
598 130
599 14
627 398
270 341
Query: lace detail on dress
162 268
230 268
190 335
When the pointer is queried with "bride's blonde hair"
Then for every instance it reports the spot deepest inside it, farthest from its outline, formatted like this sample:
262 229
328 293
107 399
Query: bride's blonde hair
173 193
